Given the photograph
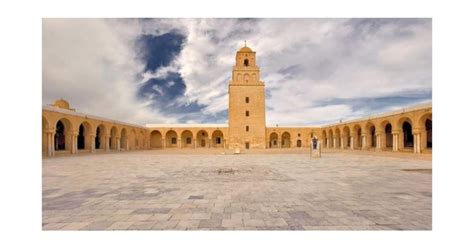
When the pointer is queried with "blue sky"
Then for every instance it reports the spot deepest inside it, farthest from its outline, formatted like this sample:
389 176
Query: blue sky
316 71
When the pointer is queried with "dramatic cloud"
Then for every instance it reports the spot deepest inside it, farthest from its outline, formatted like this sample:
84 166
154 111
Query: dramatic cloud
177 70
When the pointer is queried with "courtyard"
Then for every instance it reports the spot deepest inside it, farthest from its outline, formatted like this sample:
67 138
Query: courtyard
158 190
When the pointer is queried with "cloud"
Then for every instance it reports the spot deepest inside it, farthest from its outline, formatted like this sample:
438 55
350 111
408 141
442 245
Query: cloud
316 70
92 64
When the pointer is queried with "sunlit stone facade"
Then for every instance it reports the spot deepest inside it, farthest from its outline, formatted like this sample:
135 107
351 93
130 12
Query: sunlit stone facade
65 131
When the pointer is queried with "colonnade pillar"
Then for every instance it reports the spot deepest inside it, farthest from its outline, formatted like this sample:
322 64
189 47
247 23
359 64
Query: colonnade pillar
395 139
92 143
416 141
107 143
352 142
364 140
378 140
117 143
50 142
73 137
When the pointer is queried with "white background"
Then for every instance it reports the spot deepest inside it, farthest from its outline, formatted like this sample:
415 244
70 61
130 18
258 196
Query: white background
20 130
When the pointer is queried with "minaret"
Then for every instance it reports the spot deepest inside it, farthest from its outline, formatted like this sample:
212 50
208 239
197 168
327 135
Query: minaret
246 103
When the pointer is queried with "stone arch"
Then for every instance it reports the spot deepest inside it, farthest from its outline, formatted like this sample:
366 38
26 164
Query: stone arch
357 136
273 140
44 134
337 138
84 136
62 136
202 139
324 139
113 143
408 140
387 137
286 140
123 139
133 141
346 134
171 139
239 77
218 139
99 141
330 139
155 139
371 136
425 122
246 62
406 132
187 139
141 139
298 143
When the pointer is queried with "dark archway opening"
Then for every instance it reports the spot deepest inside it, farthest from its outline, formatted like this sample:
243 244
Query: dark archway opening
298 143
59 137
97 138
246 62
81 138
429 132
388 136
359 138
373 137
407 135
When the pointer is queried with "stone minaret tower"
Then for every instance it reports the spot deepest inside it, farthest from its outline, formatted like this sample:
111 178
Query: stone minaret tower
246 103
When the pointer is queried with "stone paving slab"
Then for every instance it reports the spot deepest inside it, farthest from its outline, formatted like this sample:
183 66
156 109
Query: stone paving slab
154 191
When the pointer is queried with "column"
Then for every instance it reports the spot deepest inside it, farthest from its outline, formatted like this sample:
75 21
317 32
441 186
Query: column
117 143
342 143
395 135
179 145
195 143
92 143
50 142
378 141
351 140
209 141
416 141
73 137
107 143
364 141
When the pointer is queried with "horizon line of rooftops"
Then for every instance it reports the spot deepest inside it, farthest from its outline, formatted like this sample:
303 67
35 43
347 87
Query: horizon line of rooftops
224 125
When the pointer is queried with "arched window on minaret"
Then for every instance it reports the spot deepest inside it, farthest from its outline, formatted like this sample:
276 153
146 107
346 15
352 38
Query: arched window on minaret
239 77
246 62
246 77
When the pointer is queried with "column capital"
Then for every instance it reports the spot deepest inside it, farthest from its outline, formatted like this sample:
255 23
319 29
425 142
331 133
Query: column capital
417 131
396 131
51 130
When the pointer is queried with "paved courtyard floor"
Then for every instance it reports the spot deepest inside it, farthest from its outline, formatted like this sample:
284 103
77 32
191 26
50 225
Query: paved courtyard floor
149 190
